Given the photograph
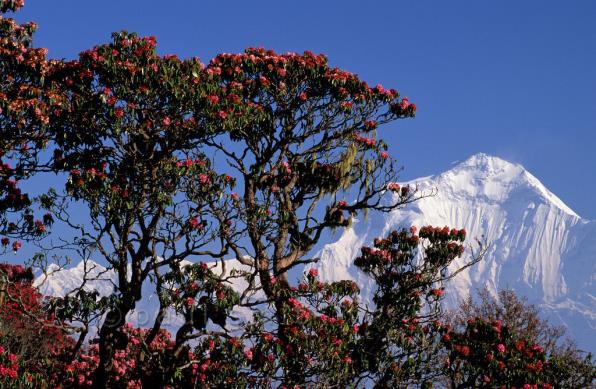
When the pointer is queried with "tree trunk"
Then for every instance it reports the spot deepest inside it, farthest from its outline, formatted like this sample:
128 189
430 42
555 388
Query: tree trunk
110 338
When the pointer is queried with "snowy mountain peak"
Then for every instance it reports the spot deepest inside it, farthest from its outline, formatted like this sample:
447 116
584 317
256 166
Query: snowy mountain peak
58 281
495 180
485 162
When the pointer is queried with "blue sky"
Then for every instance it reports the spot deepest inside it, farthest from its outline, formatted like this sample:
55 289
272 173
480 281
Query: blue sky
516 79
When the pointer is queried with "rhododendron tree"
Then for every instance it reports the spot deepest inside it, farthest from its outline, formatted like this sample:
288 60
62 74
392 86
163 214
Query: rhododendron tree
502 341
32 341
410 269
134 136
299 136
129 141
27 96
489 353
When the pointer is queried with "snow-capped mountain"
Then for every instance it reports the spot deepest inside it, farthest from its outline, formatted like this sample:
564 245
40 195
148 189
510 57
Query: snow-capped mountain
59 281
538 246
63 281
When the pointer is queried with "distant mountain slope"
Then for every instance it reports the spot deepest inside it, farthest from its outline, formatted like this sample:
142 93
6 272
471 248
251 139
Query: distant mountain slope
539 246
60 282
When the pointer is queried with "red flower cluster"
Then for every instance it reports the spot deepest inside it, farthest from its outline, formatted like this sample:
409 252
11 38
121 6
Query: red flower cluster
442 234
370 142
11 5
437 292
464 351
370 125
11 196
9 368
22 313
393 186
404 107
16 246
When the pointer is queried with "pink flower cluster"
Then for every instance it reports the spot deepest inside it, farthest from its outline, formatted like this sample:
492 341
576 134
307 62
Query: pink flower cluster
393 186
189 163
370 142
195 224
